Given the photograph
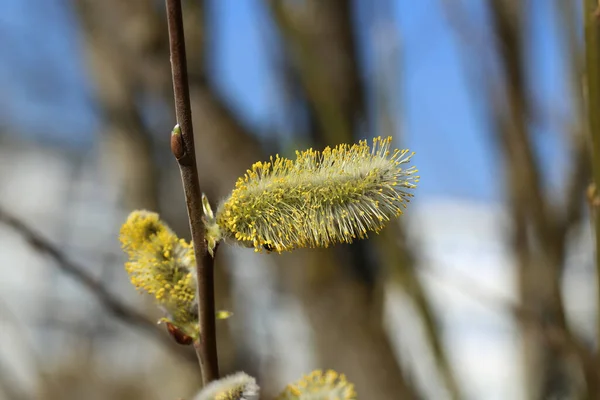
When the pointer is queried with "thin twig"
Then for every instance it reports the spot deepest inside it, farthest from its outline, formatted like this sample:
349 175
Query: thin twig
112 304
182 146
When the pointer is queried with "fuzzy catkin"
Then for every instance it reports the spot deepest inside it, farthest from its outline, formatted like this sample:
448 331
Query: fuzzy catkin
319 199
162 265
239 386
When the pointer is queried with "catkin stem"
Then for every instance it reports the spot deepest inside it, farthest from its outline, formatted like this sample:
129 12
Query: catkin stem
182 146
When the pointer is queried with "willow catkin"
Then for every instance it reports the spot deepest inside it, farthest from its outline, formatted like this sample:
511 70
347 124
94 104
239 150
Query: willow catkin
162 265
319 199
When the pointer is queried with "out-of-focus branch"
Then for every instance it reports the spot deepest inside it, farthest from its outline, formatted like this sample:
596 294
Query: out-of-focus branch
322 41
591 18
9 386
107 300
540 256
552 334
578 181
398 259
526 200
580 170
399 265
182 146
117 93
539 252
134 65
579 175
569 212
507 21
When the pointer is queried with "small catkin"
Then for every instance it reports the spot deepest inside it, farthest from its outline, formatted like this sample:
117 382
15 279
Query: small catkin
321 198
319 385
162 265
239 386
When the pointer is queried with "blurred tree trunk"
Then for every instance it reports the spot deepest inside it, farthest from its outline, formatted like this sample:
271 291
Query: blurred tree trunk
321 38
539 233
346 320
522 171
126 143
540 228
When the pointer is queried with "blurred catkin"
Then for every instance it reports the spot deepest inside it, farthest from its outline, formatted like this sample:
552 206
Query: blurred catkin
320 386
239 386
321 198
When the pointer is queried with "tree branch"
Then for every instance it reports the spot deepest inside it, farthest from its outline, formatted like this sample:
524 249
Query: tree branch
182 146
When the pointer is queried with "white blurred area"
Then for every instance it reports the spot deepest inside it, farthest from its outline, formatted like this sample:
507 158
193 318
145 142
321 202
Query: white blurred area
467 270
45 316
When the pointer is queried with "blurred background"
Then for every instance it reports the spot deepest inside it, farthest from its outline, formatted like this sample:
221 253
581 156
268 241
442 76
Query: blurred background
485 288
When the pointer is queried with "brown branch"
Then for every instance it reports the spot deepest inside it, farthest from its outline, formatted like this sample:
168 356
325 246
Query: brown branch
113 305
182 146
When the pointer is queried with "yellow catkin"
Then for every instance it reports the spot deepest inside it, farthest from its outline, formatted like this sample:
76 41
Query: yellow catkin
319 199
162 265
320 386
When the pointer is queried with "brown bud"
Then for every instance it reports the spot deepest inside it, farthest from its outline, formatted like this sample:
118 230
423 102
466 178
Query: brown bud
180 337
177 146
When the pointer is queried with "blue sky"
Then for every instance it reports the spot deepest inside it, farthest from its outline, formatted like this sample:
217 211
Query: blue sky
46 92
